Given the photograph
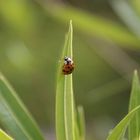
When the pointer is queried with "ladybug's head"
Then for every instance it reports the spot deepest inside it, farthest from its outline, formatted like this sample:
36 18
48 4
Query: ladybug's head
68 60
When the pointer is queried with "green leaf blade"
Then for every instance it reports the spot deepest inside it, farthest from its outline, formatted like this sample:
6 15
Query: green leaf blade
4 136
134 127
118 132
60 125
81 122
64 96
14 116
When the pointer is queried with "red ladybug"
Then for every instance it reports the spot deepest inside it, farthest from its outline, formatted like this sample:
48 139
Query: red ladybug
68 66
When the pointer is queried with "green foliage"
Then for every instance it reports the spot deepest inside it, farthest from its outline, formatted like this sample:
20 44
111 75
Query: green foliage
134 126
118 132
73 128
4 136
132 119
25 25
14 116
81 122
66 122
64 96
70 122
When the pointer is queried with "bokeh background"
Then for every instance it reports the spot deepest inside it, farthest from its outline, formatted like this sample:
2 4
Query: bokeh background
106 51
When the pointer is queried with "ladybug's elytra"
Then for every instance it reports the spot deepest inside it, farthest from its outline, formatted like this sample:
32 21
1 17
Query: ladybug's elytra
68 66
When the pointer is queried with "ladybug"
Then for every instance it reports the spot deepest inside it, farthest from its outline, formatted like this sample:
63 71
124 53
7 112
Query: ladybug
68 66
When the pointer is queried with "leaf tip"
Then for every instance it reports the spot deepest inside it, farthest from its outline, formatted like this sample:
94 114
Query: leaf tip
135 76
71 25
80 108
135 72
70 21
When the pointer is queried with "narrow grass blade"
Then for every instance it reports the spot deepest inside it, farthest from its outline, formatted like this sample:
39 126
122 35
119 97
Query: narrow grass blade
14 116
65 123
4 136
118 132
134 126
81 122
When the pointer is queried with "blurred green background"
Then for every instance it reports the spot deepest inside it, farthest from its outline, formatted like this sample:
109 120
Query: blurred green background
106 51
